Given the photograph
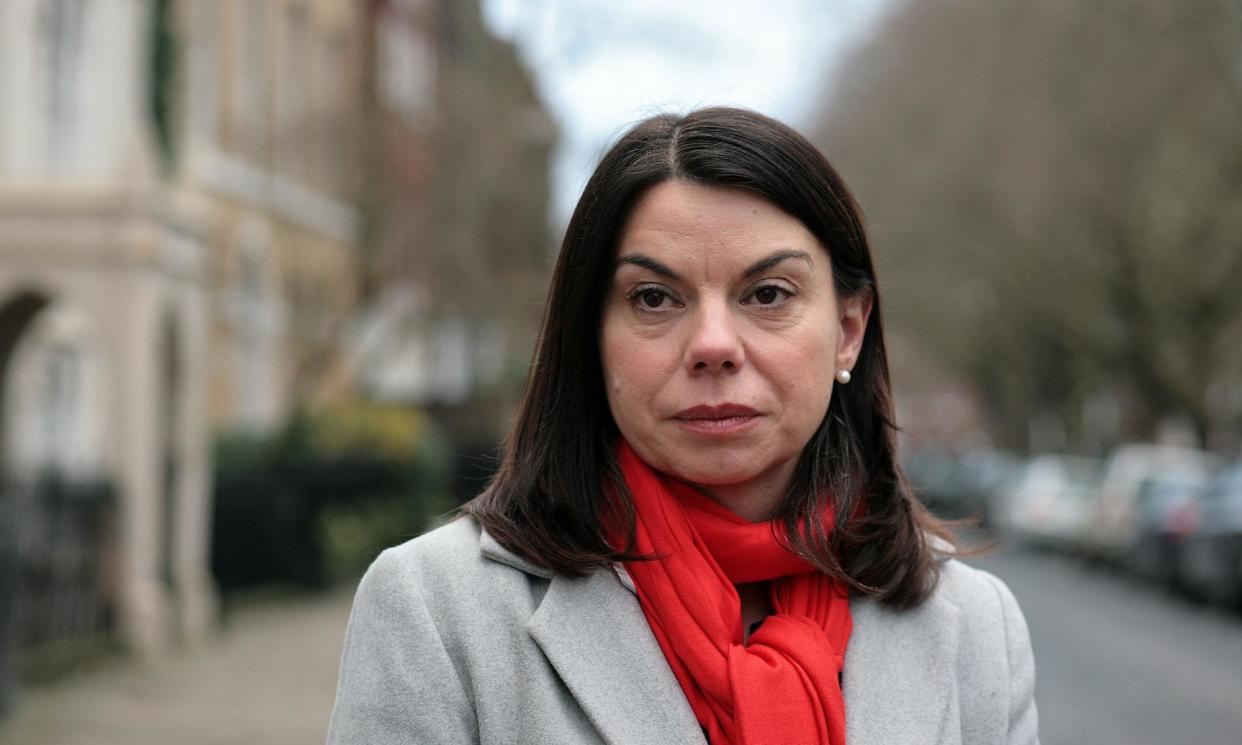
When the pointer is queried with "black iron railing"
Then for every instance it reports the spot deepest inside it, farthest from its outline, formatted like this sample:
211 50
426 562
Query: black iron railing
56 537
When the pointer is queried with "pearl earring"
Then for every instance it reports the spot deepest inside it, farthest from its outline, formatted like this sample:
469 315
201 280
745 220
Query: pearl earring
843 376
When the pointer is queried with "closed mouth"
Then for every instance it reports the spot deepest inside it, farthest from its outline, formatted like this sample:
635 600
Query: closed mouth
719 412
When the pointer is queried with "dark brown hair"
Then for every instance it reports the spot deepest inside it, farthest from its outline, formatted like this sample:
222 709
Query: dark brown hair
548 501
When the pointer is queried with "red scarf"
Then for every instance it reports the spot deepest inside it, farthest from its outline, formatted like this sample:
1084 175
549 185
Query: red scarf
782 686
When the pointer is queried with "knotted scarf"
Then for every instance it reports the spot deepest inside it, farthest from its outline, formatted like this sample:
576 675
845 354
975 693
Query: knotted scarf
782 685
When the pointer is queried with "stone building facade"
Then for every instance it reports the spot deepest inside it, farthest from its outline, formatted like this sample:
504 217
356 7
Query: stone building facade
213 212
178 256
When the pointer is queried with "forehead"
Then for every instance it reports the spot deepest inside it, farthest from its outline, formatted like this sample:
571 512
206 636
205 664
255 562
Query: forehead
689 220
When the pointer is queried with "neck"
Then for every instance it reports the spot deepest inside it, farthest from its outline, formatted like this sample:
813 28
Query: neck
755 500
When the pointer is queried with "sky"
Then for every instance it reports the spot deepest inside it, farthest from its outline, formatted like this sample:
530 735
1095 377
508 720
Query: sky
601 65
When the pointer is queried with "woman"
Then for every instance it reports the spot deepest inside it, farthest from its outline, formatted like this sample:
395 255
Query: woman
699 532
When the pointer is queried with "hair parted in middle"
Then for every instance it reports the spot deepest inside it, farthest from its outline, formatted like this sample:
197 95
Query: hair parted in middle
550 499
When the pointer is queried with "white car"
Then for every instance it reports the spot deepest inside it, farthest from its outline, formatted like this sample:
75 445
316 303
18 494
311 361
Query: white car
1115 524
1050 501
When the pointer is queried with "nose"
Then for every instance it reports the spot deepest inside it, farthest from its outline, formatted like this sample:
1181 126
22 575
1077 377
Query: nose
714 345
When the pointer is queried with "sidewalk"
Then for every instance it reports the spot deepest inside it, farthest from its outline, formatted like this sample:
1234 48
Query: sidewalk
268 677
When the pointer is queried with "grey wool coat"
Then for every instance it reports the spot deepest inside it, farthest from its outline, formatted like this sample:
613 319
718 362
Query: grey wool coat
454 639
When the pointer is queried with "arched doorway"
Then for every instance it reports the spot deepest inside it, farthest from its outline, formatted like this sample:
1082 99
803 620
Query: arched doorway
15 316
55 498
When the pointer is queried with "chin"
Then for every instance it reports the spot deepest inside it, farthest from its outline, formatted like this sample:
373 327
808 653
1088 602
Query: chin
722 467
717 478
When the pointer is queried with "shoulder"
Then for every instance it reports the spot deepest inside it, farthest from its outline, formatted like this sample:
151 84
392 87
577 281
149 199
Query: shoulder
449 544
975 592
453 575
959 660
995 660
426 566
992 631
456 546
970 611
395 650
964 598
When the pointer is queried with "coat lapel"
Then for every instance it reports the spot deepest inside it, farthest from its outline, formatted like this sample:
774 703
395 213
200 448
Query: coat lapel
595 635
900 677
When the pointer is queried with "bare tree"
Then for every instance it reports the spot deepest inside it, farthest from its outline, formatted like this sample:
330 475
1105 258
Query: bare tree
1056 196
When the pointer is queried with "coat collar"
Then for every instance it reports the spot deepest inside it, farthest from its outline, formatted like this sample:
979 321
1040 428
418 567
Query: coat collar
491 548
595 635
899 675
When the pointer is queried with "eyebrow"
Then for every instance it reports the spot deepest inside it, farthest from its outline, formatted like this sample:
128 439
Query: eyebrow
765 264
650 264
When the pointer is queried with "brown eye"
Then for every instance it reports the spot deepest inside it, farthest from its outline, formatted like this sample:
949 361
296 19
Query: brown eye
767 295
650 298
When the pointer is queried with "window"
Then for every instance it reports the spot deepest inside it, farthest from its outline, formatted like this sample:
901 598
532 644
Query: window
60 38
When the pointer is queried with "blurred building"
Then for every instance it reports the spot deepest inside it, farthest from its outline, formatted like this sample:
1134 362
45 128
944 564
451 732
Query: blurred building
268 98
178 254
214 212
457 207
103 312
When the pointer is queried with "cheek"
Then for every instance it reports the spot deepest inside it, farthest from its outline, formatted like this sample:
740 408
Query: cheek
633 381
620 390
800 362
803 373
811 392
634 363
624 364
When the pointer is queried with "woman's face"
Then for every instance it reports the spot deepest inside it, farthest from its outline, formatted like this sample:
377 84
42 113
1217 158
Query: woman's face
721 336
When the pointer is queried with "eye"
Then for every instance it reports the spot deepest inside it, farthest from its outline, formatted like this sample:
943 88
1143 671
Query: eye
768 295
651 298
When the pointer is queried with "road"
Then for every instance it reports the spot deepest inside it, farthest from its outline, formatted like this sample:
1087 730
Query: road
1122 663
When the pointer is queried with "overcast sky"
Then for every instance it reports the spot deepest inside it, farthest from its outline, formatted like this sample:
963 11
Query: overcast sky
602 64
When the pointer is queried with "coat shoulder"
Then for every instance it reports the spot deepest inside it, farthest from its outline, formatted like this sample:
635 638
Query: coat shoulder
459 579
450 544
995 660
992 623
396 650
971 589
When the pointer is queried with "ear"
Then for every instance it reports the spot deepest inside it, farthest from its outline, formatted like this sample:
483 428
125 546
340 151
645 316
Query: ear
852 313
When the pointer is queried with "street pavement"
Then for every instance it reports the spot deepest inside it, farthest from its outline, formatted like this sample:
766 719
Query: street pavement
1119 662
269 676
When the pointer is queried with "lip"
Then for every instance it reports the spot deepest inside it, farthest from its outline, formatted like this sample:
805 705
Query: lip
721 419
719 411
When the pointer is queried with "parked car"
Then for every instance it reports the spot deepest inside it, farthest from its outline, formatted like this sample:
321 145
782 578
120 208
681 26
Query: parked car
1210 562
1114 527
958 485
1168 509
1048 503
